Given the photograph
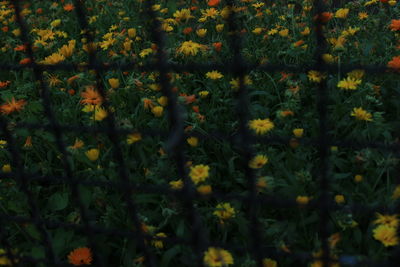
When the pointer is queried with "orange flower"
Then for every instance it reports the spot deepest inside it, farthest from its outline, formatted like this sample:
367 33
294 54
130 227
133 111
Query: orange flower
20 48
80 256
187 30
12 105
395 25
213 2
324 17
69 7
394 63
91 96
4 84
217 46
25 61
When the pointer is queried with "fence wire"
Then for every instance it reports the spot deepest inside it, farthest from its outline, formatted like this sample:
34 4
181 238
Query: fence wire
175 145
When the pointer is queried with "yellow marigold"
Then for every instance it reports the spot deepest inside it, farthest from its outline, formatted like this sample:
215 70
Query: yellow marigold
92 154
204 189
114 83
339 199
235 82
133 138
217 257
145 52
358 178
349 83
267 262
388 220
177 184
6 168
224 211
361 114
396 192
189 48
201 32
315 76
157 111
302 200
298 132
214 75
53 59
158 243
192 141
342 13
261 126
183 15
386 234
199 173
258 162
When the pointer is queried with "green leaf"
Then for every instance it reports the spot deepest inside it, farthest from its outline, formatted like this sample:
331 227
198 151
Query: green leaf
58 201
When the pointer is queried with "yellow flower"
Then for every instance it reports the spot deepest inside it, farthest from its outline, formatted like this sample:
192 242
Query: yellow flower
342 13
133 138
114 83
68 50
78 144
201 32
339 199
217 257
132 33
224 211
284 32
328 58
362 15
267 262
386 234
258 162
214 75
6 168
306 31
199 173
361 114
356 74
55 23
5 260
302 200
261 126
158 243
219 27
298 132
182 15
162 100
396 192
189 48
192 141
257 30
93 154
157 111
388 220
99 113
204 189
53 59
349 83
235 82
145 52
358 178
176 185
203 94
315 76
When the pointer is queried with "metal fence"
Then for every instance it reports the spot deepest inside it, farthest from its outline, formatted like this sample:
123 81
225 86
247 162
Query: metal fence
175 145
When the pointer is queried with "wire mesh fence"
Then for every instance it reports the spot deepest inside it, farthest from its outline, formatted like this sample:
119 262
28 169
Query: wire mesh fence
243 141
